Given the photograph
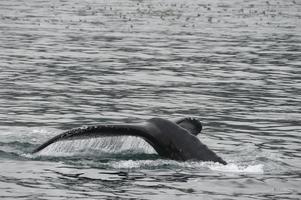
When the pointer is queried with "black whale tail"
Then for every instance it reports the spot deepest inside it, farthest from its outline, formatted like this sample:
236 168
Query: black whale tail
191 125
174 139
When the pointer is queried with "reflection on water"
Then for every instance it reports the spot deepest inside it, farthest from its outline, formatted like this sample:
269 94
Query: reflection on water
233 64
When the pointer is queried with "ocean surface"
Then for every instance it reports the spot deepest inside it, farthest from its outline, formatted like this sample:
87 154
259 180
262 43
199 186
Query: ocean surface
234 65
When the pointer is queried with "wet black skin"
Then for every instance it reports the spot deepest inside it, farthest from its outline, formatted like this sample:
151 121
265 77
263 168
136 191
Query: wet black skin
172 139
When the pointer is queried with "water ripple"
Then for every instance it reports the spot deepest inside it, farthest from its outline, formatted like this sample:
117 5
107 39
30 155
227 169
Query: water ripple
235 65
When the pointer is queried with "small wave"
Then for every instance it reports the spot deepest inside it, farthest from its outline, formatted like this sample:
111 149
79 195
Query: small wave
16 144
10 155
13 149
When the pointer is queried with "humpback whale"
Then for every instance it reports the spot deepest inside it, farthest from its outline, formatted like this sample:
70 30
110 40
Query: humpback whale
173 139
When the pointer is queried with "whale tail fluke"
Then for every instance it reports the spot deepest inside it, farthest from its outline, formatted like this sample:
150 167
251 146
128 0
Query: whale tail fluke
190 124
175 139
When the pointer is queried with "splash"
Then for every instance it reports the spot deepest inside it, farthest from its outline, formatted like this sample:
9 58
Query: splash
104 145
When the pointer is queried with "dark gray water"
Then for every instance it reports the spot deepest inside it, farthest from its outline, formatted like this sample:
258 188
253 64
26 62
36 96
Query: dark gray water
235 65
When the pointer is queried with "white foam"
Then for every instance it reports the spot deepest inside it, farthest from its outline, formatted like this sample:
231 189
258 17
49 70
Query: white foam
234 168
133 164
28 155
229 168
128 164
